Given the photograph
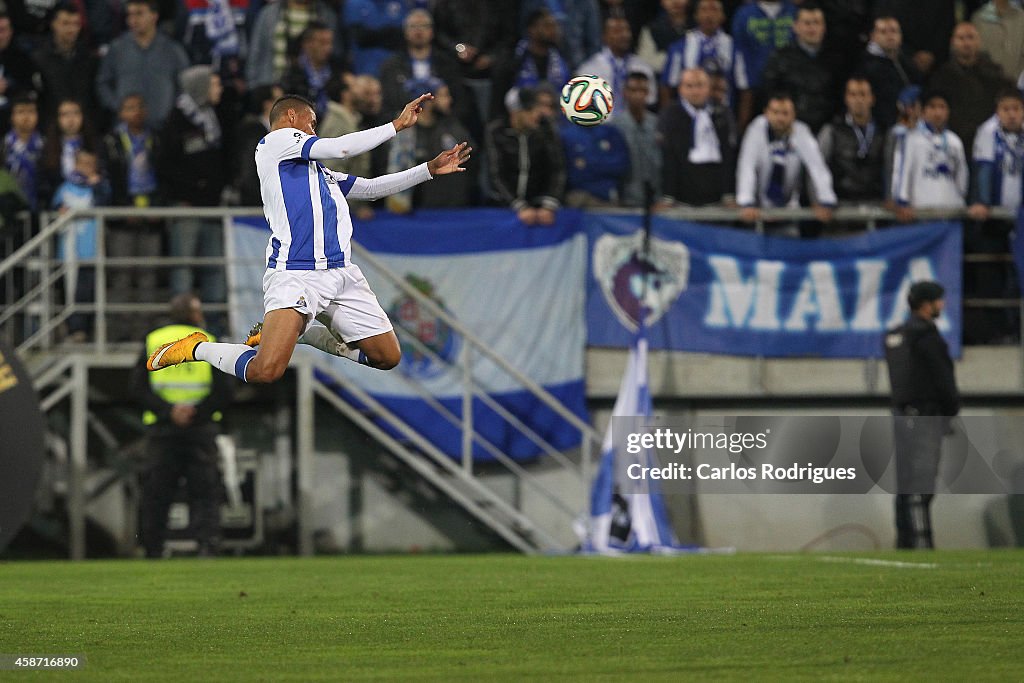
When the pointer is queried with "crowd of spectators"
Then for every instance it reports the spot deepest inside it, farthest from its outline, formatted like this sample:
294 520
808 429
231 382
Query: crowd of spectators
751 105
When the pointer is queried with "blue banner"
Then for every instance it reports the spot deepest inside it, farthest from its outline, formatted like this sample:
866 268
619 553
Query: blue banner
519 290
722 290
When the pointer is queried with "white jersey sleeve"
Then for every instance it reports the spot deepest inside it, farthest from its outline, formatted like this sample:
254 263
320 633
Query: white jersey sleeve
291 143
382 186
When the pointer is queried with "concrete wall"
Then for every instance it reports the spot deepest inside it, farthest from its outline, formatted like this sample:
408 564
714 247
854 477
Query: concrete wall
982 372
765 522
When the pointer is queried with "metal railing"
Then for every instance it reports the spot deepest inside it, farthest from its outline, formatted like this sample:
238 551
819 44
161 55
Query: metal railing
43 313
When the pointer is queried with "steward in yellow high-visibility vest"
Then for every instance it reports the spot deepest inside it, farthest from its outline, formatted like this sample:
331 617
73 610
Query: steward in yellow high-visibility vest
188 383
182 406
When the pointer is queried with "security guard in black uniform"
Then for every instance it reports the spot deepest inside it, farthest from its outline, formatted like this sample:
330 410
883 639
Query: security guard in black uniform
183 406
924 398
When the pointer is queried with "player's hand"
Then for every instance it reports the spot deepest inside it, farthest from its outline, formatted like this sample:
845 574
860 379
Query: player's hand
411 113
450 160
822 213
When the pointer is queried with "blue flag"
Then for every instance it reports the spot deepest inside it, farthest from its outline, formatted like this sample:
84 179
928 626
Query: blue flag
629 518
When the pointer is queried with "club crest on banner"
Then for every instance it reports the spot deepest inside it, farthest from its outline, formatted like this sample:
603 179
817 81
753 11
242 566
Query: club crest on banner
621 269
438 345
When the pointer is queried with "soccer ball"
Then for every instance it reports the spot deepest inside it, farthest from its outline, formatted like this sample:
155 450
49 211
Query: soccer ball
586 100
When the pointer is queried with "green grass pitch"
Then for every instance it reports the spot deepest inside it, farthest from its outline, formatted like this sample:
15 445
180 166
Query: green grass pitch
952 616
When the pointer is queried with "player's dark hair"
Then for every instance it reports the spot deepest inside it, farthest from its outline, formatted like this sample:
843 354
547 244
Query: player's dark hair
289 101
637 75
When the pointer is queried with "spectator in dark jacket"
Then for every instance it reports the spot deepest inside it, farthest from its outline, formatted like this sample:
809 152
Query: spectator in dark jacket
248 134
926 28
313 68
536 60
579 23
970 81
17 72
130 154
535 189
421 60
438 126
475 31
849 23
191 163
698 146
23 145
803 70
888 68
66 64
191 173
853 146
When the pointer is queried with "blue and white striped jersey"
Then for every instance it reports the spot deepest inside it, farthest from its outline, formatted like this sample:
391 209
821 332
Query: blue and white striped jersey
304 202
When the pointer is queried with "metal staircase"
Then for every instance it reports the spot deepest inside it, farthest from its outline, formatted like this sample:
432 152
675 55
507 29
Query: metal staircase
556 486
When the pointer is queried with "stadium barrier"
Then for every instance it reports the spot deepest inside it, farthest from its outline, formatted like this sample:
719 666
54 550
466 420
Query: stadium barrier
31 315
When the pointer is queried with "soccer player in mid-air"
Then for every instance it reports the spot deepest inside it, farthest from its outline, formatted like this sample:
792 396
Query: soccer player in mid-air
309 271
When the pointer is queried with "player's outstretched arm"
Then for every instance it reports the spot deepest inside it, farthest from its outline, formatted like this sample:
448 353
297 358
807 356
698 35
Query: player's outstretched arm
411 113
450 160
320 149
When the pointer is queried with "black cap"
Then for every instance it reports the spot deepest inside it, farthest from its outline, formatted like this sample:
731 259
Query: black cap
923 292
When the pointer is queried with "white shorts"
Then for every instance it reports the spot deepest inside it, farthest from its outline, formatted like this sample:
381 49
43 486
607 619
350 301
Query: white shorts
340 296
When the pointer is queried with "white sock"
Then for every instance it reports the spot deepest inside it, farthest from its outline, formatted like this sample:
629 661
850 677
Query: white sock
229 358
320 337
